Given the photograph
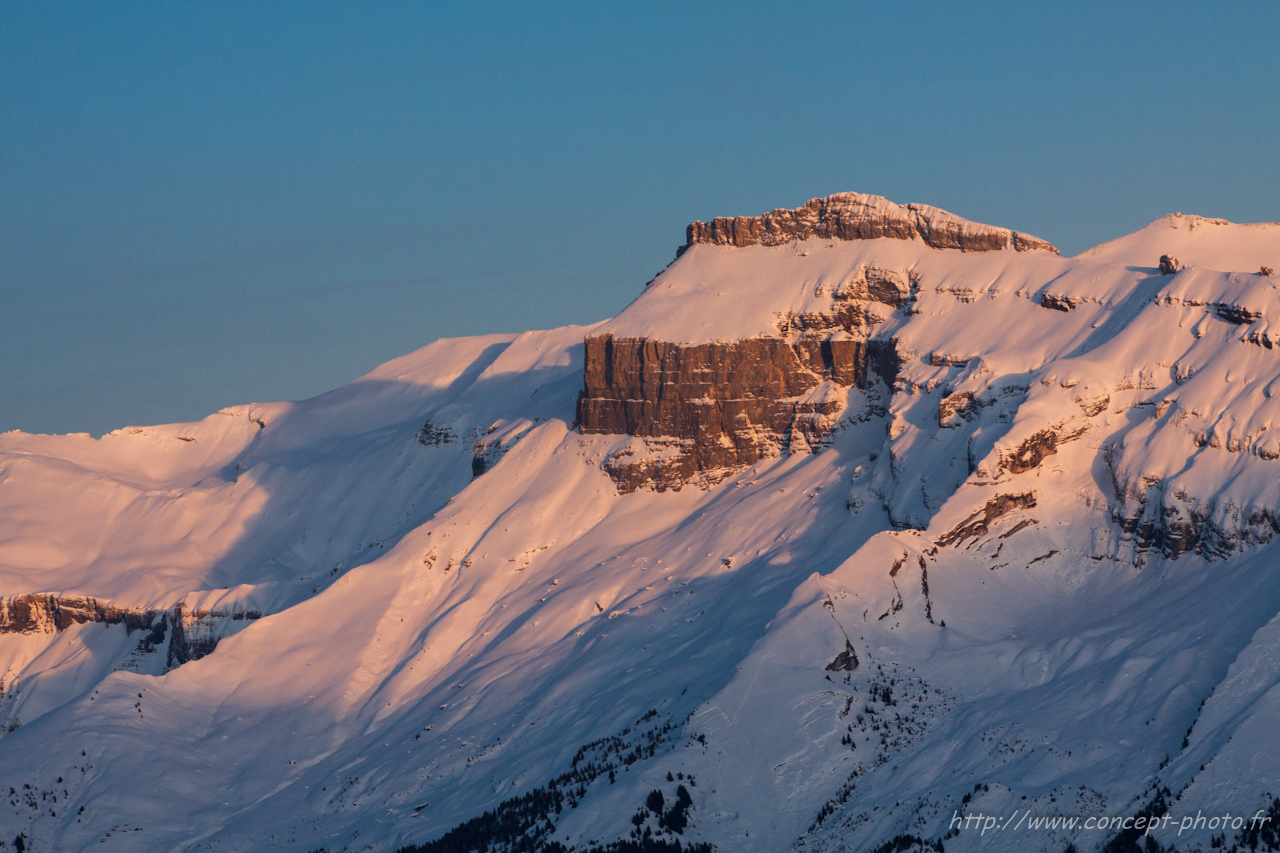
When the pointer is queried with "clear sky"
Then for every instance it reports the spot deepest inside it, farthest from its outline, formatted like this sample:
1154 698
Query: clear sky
208 204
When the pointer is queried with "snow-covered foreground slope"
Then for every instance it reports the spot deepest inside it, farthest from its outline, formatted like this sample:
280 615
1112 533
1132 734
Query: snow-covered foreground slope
1018 557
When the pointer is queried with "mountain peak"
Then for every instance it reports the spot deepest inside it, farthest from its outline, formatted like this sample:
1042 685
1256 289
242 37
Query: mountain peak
857 216
1197 241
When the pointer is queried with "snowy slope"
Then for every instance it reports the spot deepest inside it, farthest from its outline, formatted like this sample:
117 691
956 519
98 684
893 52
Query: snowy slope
1214 244
1048 546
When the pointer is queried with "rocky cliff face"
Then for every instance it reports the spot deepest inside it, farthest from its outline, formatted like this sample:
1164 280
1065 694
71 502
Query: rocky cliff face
191 634
707 409
726 404
702 410
20 614
855 216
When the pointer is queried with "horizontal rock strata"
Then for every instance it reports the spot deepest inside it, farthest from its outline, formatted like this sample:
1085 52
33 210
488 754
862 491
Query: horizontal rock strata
719 406
723 405
979 524
21 614
855 216
195 633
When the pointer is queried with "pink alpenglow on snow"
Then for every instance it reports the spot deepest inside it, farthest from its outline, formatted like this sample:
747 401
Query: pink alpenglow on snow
860 516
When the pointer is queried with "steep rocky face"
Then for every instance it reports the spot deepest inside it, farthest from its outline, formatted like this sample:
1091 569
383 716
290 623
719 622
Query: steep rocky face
710 408
979 523
192 633
731 403
20 614
854 216
196 632
1162 518
705 408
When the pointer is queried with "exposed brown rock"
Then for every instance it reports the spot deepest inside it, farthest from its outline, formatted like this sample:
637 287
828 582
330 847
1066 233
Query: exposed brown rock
854 216
1027 243
1032 451
956 407
941 359
1229 311
1056 302
1177 524
195 633
722 405
1093 406
1168 265
22 614
979 524
488 451
1021 525
661 465
706 409
1237 314
855 306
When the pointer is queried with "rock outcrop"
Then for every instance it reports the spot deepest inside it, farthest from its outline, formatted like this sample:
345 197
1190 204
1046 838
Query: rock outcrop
702 410
707 409
1173 524
979 524
1158 516
22 614
192 633
720 406
846 661
855 216
1037 447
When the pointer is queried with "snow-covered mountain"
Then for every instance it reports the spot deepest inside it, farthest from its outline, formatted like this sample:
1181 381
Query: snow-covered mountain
860 517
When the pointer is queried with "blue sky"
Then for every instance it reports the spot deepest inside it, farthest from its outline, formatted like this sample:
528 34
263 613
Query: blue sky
208 204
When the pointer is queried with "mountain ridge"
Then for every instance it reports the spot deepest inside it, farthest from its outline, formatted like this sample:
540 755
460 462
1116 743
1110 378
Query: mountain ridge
855 216
1041 530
